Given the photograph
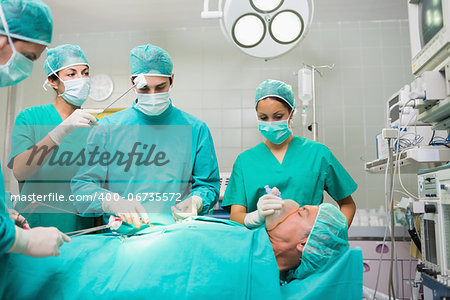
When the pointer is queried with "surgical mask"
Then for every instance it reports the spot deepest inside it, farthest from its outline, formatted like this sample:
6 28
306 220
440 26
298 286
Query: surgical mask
289 207
276 131
76 90
153 104
18 66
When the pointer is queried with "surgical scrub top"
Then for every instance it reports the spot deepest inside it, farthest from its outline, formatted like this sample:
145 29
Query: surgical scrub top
308 168
53 178
189 166
7 231
7 235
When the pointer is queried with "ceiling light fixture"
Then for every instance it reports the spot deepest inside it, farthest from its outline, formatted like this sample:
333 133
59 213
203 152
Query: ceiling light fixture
263 28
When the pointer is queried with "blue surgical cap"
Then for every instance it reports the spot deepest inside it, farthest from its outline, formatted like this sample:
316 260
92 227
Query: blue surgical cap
150 60
28 20
327 242
62 57
275 88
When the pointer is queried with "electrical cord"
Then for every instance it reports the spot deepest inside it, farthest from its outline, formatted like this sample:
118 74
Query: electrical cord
386 197
432 137
400 152
390 169
391 207
389 196
440 141
400 178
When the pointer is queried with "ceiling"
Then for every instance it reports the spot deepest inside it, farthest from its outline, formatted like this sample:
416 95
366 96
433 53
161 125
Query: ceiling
84 16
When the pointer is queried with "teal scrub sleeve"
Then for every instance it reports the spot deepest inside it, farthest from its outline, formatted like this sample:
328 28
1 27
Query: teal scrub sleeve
205 172
7 231
91 177
235 192
338 183
22 137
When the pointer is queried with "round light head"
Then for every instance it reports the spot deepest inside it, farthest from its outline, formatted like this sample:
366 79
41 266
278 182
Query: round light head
248 31
266 6
286 27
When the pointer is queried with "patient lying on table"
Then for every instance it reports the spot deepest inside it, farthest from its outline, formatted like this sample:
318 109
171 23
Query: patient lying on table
187 260
306 239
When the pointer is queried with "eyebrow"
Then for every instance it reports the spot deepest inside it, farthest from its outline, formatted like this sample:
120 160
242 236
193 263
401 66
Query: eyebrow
161 85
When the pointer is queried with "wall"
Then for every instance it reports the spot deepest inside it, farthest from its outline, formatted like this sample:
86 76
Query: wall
216 82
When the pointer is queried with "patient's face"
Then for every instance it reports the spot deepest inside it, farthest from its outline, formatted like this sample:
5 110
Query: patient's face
298 225
289 237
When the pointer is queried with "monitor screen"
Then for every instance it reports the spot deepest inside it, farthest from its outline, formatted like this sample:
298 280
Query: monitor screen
431 19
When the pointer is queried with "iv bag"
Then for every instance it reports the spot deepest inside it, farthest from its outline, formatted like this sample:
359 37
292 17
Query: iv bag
305 84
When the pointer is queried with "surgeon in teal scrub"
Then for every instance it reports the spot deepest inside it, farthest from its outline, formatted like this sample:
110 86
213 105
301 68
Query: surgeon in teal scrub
299 168
26 29
53 128
180 180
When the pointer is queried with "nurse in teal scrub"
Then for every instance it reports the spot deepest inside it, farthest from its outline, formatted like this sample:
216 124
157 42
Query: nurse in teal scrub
55 129
301 169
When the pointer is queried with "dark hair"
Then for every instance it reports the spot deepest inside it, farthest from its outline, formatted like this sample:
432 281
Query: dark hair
285 104
53 77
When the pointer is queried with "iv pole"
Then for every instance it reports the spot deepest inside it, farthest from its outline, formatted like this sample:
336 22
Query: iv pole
314 69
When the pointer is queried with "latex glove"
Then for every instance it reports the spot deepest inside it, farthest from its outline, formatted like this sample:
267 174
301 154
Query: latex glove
18 219
38 242
267 205
187 208
130 211
80 118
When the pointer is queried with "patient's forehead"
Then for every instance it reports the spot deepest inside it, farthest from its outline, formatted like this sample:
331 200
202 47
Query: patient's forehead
305 215
297 224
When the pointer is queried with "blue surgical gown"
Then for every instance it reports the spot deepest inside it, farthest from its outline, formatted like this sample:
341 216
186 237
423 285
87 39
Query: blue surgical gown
31 126
186 145
308 169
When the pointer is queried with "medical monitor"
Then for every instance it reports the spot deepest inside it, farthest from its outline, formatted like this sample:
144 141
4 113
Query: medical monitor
429 28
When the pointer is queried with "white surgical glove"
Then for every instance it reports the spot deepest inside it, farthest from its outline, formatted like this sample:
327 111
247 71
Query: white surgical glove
130 211
80 118
187 208
18 219
267 205
38 242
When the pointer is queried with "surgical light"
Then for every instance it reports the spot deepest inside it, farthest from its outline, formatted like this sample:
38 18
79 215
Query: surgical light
249 30
286 27
266 6
263 28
